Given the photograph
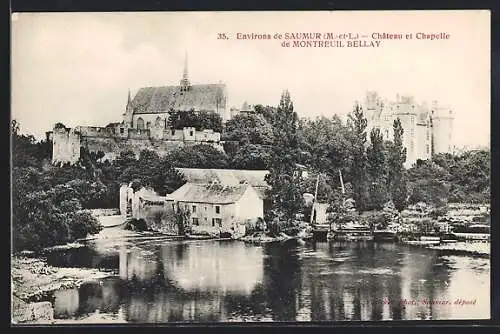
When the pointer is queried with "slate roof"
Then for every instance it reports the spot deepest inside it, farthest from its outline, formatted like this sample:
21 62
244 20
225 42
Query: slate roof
225 176
207 97
230 177
208 193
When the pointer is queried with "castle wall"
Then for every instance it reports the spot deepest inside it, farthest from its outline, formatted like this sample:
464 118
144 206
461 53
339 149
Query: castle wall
153 119
420 138
423 142
65 146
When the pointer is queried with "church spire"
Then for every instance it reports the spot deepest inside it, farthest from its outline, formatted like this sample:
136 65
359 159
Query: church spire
185 78
129 100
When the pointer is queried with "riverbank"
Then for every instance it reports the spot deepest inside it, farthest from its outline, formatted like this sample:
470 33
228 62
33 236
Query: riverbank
33 279
477 249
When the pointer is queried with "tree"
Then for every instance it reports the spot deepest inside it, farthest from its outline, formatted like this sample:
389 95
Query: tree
255 157
248 129
325 144
200 120
376 168
283 178
396 172
198 156
357 124
428 184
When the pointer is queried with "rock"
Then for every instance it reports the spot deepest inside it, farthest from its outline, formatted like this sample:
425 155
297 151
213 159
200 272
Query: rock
33 312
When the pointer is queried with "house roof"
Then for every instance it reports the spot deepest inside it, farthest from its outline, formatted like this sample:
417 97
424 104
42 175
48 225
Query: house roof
225 176
208 193
228 177
208 97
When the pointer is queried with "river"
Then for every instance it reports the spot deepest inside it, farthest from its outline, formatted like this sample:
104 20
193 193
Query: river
223 281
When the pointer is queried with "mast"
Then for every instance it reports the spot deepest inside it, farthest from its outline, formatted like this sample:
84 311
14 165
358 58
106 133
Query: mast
314 200
341 182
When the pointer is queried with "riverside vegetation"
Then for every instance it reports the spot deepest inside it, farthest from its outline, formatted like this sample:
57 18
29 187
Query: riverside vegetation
50 203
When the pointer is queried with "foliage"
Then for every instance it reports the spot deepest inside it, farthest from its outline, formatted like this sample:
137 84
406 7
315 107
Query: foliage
253 157
137 225
325 145
182 220
396 181
200 120
377 171
283 177
249 129
428 184
198 156
357 124
47 201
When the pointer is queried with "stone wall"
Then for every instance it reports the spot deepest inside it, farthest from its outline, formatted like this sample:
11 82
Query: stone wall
67 142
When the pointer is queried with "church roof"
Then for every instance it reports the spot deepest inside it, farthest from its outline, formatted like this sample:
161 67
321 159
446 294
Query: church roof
207 97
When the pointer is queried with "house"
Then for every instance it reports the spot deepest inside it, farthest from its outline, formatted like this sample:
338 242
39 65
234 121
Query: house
256 178
217 207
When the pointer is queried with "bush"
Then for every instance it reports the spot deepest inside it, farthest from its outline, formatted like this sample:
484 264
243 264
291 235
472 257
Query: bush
83 223
139 225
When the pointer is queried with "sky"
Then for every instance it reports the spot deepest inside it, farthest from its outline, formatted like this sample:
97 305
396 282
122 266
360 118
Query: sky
77 68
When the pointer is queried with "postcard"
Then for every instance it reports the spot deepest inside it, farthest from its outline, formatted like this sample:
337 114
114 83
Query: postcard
216 167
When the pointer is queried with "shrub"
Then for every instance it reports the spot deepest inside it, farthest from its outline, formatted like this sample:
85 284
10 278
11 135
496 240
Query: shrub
137 225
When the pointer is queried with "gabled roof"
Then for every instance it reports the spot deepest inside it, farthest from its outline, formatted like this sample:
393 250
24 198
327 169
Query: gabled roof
208 193
208 97
224 176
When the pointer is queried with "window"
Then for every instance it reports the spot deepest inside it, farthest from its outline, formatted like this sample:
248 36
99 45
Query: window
217 209
148 125
140 123
158 121
194 208
121 130
217 221
191 133
173 132
196 222
173 207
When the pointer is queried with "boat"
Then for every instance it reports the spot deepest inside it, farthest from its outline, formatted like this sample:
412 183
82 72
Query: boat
353 235
425 240
384 235
448 238
430 238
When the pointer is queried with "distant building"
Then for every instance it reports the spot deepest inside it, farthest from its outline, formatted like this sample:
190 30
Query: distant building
218 208
244 110
427 129
144 124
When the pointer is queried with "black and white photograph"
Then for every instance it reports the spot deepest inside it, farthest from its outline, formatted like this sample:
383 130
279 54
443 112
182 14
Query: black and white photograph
221 167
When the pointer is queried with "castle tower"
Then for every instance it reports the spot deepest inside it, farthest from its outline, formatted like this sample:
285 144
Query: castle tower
442 129
185 78
405 110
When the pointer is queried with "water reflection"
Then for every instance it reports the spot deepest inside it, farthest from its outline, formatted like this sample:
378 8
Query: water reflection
231 281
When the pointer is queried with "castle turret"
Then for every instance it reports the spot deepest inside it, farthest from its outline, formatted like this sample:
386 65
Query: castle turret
442 129
65 145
